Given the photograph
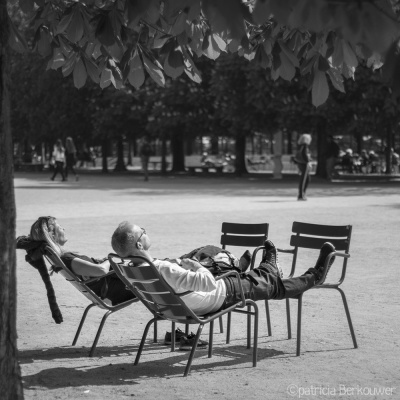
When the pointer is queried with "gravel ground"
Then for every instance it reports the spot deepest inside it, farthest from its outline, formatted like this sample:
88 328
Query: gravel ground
182 213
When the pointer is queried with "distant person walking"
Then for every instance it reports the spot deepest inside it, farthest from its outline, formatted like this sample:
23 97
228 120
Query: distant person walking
145 153
70 157
59 158
303 161
332 154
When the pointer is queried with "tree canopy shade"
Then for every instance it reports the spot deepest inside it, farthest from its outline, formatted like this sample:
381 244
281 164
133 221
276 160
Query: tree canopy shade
120 42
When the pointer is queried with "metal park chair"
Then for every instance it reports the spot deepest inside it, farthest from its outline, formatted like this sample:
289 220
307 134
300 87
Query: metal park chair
244 235
95 300
313 236
145 281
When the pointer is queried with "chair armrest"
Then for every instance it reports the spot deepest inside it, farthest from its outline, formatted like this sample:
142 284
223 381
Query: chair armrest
341 279
99 277
289 251
234 273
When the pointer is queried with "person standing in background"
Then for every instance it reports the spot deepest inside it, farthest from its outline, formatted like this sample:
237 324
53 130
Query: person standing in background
332 153
70 157
145 153
59 158
303 161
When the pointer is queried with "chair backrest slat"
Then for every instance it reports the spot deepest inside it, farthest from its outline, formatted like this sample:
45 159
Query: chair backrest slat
243 241
316 243
321 230
244 229
243 235
144 279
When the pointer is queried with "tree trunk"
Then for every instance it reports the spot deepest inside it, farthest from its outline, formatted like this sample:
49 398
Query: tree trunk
240 151
129 159
214 145
289 142
120 165
104 152
321 147
10 373
388 158
178 150
163 153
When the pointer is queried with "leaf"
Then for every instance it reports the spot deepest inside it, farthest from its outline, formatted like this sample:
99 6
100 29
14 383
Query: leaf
75 28
58 59
323 64
191 70
289 54
174 65
336 79
308 65
106 78
338 56
219 41
210 47
225 15
64 23
15 40
136 72
104 31
320 88
80 74
68 67
286 70
92 71
349 56
26 5
44 47
180 24
154 71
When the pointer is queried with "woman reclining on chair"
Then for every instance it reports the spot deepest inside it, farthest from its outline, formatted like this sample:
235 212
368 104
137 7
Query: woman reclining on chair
111 287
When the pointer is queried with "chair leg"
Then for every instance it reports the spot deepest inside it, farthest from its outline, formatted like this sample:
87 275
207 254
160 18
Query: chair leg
346 308
146 330
155 332
248 328
211 336
81 323
300 301
255 349
228 328
289 324
196 340
173 336
268 318
103 320
187 329
221 325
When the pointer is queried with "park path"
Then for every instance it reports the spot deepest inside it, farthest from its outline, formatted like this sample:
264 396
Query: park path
181 213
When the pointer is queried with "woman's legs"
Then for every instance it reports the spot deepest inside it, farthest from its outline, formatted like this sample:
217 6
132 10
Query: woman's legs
117 291
304 180
59 168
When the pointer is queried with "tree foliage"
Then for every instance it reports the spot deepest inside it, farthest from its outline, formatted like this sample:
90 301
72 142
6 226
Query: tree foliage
120 42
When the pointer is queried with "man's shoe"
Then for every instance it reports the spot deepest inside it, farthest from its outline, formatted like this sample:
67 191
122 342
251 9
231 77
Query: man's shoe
271 256
178 335
188 342
326 249
245 260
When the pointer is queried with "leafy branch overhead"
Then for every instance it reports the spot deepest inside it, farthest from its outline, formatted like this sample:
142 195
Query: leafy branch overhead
120 42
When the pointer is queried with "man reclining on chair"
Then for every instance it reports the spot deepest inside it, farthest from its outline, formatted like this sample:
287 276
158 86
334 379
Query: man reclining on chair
208 295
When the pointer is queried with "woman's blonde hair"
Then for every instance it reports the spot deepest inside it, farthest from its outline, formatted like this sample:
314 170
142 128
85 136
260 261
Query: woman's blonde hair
69 144
42 230
305 138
